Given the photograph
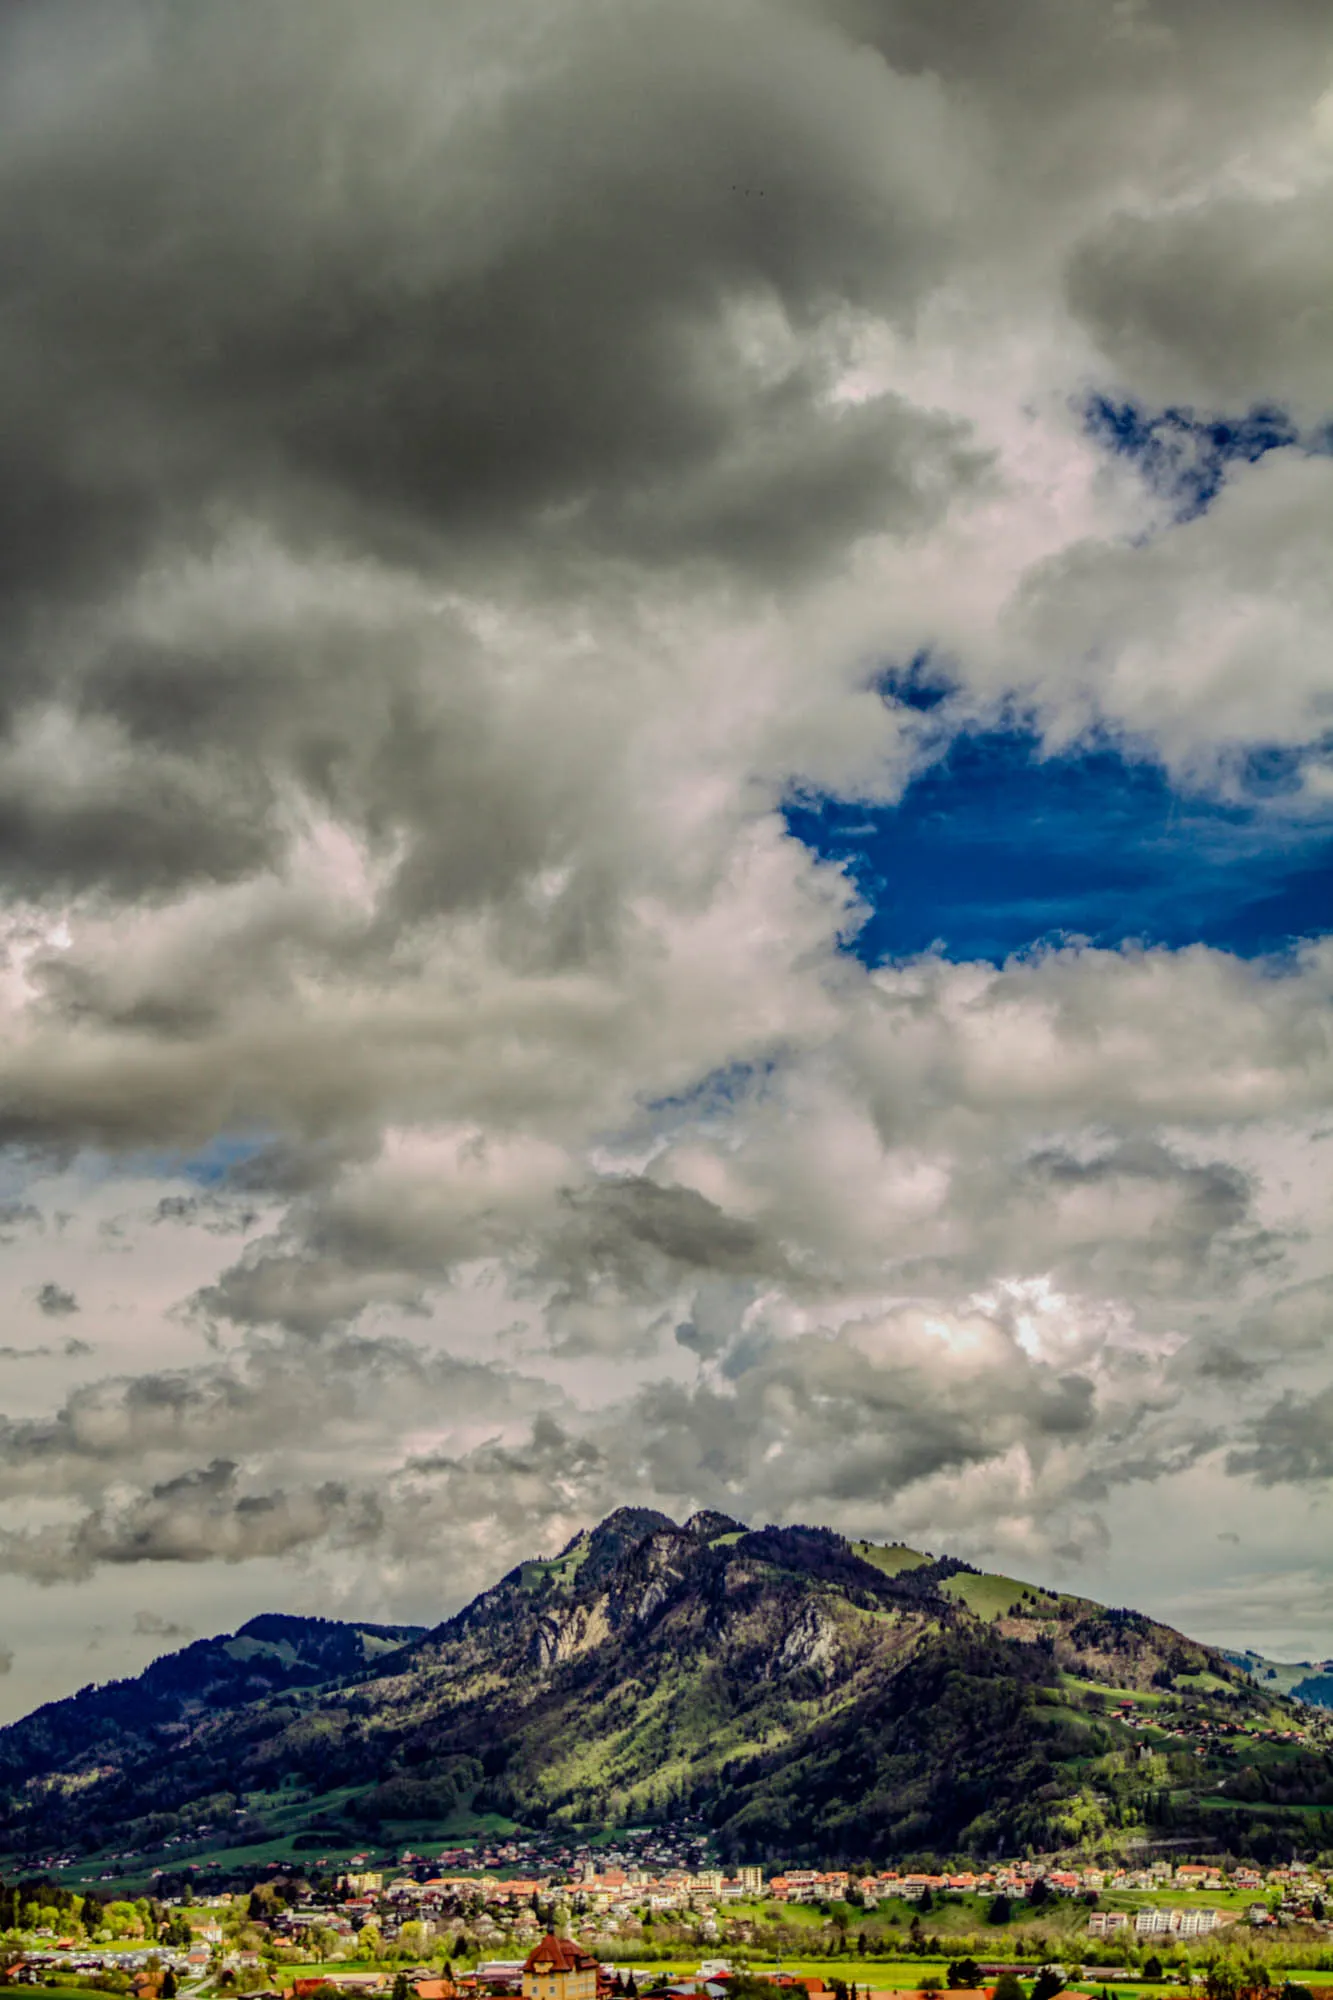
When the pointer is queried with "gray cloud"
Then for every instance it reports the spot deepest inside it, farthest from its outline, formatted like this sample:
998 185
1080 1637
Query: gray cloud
6 1660
198 1516
152 1625
1291 1442
460 475
55 1301
549 241
1265 333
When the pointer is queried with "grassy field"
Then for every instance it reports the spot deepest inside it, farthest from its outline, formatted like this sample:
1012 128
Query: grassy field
1202 1899
380 1852
892 1560
992 1596
884 1974
1141 1697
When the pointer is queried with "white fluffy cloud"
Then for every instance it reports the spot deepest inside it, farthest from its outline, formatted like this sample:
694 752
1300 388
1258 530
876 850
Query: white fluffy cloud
462 475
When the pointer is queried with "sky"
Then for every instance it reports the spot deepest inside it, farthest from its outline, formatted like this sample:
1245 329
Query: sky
666 798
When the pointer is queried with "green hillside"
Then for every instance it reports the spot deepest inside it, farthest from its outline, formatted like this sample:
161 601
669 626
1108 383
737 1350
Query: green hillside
804 1695
1305 1680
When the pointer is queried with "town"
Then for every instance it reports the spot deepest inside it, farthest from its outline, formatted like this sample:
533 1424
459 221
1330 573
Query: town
647 1913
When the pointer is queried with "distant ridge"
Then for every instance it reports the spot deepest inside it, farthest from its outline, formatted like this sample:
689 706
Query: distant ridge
1304 1680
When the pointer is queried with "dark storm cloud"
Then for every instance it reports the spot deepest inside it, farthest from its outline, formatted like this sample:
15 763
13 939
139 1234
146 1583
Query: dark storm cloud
337 274
590 309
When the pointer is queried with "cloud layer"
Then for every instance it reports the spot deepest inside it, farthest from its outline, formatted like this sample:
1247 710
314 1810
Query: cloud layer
462 473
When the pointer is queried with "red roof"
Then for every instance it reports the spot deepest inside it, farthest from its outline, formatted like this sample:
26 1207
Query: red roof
555 1954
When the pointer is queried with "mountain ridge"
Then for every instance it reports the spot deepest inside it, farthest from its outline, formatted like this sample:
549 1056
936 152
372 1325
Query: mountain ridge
797 1692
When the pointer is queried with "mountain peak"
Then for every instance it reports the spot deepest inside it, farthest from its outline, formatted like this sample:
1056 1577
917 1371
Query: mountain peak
707 1525
809 1696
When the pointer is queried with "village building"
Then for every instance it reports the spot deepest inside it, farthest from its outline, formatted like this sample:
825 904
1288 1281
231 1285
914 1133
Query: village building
556 1969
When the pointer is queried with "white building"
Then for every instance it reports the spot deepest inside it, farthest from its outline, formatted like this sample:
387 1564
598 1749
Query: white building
1160 1922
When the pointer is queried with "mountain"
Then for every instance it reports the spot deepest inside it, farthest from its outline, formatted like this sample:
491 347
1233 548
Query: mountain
802 1694
1304 1680
122 1722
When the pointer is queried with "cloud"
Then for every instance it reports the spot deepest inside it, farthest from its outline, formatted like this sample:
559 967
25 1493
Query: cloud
55 1301
459 485
1233 599
6 1660
198 1516
152 1625
1261 260
1291 1442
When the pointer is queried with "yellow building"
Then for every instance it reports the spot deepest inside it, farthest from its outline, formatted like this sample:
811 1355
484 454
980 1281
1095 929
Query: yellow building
555 1969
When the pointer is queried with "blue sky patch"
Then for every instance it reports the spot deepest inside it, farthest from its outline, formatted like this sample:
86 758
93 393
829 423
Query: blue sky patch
1184 456
995 849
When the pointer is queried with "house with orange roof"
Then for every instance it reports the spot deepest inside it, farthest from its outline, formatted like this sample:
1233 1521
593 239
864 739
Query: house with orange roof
557 1969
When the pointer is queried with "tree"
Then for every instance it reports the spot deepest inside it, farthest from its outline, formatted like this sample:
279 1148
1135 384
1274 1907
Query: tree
1221 1980
1000 1911
1008 1987
400 1987
964 1972
1039 1894
169 1985
1152 1967
926 1903
1047 1984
